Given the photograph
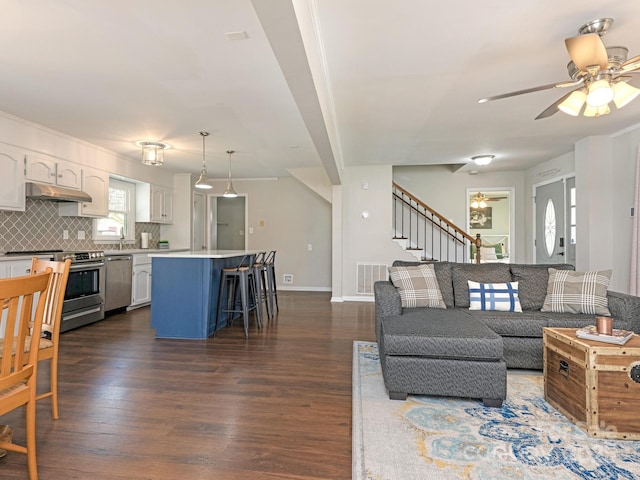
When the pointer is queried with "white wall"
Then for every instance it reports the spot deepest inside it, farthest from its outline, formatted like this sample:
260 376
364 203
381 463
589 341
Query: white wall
365 240
287 217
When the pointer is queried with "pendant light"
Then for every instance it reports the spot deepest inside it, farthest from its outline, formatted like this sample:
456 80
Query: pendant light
202 181
229 192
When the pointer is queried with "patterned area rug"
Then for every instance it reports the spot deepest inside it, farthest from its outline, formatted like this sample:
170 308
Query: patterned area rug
446 438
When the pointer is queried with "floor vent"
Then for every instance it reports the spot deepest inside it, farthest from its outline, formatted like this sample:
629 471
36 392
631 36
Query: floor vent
367 274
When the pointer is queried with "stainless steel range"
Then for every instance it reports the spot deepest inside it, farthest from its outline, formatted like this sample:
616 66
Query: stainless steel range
84 296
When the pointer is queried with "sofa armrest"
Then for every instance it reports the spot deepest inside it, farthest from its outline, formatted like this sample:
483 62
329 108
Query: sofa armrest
387 301
625 310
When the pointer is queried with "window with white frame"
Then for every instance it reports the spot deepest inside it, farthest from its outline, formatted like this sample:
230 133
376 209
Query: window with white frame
121 219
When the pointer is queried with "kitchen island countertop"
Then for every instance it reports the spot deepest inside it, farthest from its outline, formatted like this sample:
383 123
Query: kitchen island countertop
204 254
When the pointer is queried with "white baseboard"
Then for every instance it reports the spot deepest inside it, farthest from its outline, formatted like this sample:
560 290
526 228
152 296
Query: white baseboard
359 298
305 289
336 300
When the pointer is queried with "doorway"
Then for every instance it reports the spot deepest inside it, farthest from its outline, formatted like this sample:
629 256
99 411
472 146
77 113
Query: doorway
555 221
490 212
227 222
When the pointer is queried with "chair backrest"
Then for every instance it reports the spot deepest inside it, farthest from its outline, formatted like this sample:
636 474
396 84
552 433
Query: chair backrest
55 293
271 258
17 297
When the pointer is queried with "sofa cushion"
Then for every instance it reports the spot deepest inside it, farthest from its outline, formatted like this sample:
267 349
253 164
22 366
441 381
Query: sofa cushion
532 282
484 273
526 324
442 334
443 273
418 286
494 296
569 320
577 292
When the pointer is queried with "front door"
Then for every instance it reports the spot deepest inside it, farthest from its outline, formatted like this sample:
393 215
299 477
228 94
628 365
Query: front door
550 223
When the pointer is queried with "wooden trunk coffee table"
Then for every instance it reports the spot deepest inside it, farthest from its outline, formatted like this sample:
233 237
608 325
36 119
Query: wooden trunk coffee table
595 384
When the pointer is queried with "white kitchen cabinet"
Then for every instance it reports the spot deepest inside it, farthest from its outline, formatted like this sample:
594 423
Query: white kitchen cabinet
141 284
51 172
12 194
154 204
96 184
15 268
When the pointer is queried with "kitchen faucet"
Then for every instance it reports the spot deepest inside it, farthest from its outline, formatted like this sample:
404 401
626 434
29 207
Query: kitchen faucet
121 237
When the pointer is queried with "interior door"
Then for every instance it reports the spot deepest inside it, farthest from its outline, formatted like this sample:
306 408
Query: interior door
550 223
227 223
199 222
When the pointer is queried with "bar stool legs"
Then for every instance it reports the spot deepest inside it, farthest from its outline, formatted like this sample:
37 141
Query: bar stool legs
270 263
233 279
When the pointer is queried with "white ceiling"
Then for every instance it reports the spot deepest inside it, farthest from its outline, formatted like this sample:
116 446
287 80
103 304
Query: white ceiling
318 82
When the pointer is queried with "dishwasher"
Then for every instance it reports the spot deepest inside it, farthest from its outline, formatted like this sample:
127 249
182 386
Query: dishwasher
118 281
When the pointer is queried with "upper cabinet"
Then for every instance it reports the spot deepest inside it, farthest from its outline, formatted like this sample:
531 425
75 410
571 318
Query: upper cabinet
49 171
154 204
96 184
12 195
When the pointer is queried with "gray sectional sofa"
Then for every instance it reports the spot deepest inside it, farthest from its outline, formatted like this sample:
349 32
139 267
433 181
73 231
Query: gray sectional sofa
413 340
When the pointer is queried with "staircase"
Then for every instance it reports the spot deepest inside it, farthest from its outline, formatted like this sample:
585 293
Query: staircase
426 234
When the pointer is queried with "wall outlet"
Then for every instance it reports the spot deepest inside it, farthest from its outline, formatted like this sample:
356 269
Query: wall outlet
287 278
65 234
309 247
80 234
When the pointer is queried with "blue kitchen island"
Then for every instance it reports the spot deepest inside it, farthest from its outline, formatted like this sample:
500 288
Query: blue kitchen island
184 291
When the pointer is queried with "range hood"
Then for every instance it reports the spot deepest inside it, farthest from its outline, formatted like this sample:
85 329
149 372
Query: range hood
55 193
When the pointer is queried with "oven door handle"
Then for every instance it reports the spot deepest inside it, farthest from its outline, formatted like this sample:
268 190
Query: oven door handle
85 266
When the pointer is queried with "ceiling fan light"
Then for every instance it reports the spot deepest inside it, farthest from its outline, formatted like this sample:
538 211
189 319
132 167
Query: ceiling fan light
483 159
478 201
573 103
624 94
590 111
600 93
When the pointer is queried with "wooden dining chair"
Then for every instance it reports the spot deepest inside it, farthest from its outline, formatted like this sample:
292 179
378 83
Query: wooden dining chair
19 364
48 347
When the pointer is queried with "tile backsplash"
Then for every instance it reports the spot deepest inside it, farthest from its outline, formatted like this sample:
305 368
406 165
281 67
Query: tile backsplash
40 228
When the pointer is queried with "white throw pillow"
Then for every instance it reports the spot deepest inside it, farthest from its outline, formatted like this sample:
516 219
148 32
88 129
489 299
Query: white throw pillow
494 296
488 253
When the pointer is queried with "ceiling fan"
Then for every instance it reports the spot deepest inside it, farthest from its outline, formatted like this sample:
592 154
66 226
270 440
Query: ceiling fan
600 74
480 200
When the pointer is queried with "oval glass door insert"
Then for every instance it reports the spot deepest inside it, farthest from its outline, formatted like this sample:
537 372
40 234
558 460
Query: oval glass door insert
549 227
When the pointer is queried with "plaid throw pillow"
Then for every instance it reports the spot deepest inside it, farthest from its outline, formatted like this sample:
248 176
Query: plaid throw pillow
577 292
494 296
418 286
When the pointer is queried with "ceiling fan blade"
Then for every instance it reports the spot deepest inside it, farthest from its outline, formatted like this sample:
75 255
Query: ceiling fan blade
587 51
531 90
631 64
553 108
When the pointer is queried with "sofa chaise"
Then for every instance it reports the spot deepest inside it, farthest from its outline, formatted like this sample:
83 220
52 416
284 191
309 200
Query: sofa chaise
453 350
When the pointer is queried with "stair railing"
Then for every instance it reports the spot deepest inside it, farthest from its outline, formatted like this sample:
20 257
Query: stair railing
428 231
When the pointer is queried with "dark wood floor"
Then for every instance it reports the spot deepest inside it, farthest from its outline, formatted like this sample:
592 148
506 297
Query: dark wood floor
275 406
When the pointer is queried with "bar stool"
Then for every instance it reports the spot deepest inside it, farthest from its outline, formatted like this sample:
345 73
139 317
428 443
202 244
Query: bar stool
260 275
239 279
272 290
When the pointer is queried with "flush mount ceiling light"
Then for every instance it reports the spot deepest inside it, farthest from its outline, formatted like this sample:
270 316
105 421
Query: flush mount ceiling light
479 201
202 181
229 191
483 159
153 152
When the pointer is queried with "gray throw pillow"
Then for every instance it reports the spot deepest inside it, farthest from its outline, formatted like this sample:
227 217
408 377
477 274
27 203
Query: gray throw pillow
533 280
418 286
577 292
